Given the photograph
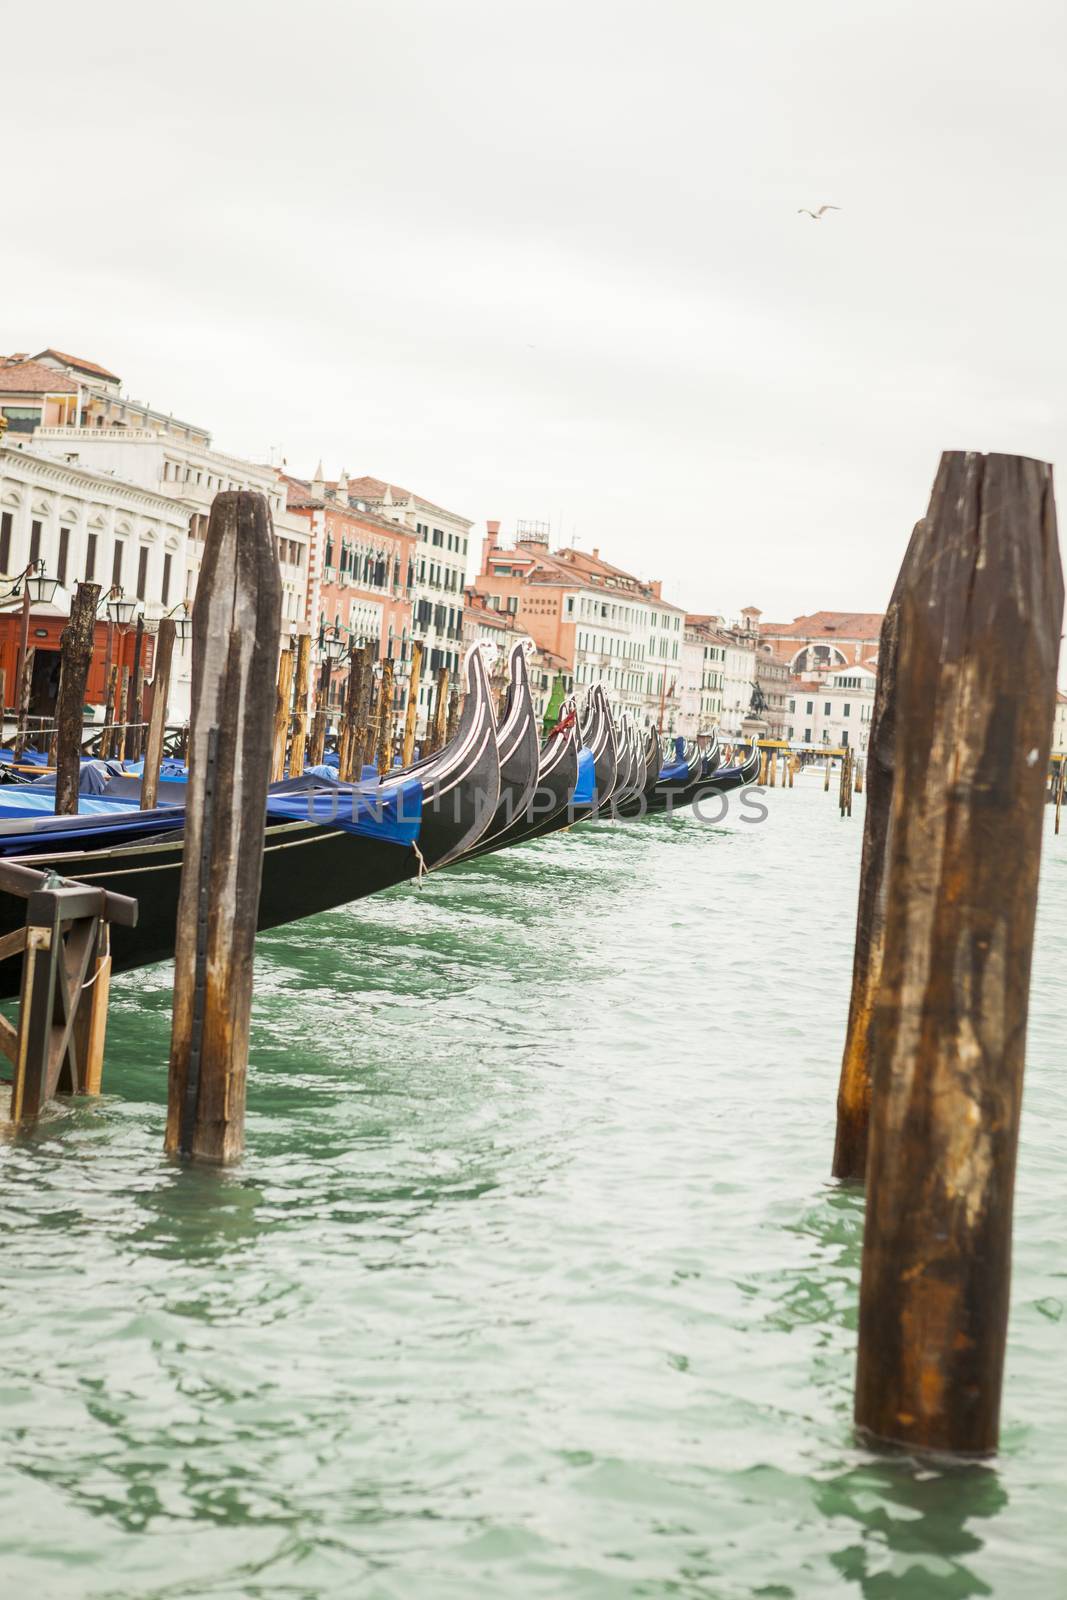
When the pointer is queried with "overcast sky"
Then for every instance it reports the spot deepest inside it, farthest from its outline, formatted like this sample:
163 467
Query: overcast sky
544 260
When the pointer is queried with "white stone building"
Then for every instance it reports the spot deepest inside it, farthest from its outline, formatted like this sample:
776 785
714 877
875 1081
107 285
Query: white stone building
703 664
833 710
190 474
87 525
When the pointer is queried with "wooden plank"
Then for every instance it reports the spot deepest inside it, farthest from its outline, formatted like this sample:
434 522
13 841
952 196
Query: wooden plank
76 654
157 722
981 606
235 648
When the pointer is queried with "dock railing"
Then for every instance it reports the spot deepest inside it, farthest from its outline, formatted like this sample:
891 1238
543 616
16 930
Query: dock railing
57 1044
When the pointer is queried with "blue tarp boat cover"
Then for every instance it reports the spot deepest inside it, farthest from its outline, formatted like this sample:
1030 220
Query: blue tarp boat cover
675 774
392 815
582 793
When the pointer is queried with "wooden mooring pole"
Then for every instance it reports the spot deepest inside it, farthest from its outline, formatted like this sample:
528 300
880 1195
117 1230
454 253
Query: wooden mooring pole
282 709
981 602
298 744
75 656
157 721
1059 789
854 1089
407 751
135 731
235 646
384 751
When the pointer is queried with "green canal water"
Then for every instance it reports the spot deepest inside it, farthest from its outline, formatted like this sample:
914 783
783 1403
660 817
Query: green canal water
532 1282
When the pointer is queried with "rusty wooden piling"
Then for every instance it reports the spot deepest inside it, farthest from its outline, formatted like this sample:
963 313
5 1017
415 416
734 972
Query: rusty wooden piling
157 721
364 724
407 751
981 602
283 702
76 654
298 744
134 744
854 1088
454 707
235 646
384 748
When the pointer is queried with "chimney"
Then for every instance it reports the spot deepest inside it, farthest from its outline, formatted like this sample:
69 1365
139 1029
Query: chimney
318 486
596 553
656 585
490 542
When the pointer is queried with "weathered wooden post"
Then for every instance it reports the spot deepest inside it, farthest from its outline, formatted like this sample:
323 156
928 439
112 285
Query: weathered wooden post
282 707
157 722
235 645
407 750
135 732
384 751
121 712
317 745
109 710
76 653
364 721
772 767
298 745
453 714
981 604
438 720
348 714
25 685
826 775
854 1089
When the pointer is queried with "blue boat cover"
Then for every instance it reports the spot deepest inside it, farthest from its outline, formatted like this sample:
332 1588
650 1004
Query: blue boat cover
675 774
583 791
392 815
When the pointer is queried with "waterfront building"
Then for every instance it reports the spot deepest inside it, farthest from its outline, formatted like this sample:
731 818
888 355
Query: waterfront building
483 622
174 459
703 663
1059 726
824 639
82 524
361 571
440 569
608 625
738 643
833 709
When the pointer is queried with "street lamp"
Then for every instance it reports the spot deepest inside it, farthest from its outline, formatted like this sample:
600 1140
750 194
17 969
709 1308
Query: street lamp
334 645
183 623
121 608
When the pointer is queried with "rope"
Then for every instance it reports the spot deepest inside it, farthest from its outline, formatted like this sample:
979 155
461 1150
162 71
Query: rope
100 966
423 868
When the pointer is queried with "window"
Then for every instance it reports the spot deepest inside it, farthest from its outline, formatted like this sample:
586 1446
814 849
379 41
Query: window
811 708
116 565
90 558
5 541
35 541
165 590
844 736
826 708
61 562
847 709
792 705
142 571
807 735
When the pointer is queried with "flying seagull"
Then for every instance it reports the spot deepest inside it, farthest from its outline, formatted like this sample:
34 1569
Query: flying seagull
816 216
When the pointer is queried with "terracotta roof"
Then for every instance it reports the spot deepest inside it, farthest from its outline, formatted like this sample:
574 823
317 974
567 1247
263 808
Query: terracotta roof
79 365
374 489
298 497
863 625
30 377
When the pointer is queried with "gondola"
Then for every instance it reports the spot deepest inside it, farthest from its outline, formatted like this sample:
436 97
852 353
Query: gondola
313 862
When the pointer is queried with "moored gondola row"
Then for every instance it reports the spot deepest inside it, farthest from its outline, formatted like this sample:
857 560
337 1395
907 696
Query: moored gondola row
328 843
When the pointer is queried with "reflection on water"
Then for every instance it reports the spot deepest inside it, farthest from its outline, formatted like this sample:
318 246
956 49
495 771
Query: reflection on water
916 1528
533 1282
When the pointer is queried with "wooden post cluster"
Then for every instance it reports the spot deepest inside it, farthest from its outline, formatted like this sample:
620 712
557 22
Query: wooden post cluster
75 656
439 716
235 647
980 606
